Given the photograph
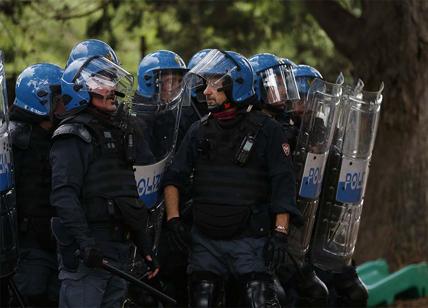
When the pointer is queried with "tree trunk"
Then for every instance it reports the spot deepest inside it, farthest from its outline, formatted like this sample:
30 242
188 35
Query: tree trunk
389 42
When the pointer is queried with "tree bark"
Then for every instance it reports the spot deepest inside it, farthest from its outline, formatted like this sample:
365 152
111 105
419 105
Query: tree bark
389 42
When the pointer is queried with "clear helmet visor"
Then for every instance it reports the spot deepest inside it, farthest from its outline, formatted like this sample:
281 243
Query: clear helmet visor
278 86
214 70
169 85
105 80
193 89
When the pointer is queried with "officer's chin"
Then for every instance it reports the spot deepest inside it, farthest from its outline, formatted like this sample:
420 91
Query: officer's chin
212 104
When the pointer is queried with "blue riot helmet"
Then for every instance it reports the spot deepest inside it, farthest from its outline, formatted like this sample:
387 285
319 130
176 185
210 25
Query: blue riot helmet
160 76
95 76
37 89
92 47
289 62
226 71
305 74
275 84
197 57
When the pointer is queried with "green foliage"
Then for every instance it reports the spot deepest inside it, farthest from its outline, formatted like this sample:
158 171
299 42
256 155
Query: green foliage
46 30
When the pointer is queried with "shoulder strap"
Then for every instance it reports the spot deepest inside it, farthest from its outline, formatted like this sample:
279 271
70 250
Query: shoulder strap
76 129
205 118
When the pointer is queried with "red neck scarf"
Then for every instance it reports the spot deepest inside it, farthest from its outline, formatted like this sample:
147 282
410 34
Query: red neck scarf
229 113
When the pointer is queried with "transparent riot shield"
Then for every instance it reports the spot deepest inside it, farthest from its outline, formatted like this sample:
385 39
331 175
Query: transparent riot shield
313 144
346 175
159 125
8 222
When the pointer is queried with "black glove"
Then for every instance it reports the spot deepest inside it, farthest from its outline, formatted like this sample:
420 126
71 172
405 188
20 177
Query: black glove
153 264
275 250
178 235
92 256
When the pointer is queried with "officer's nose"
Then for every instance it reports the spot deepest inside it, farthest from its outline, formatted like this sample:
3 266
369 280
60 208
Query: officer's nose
208 90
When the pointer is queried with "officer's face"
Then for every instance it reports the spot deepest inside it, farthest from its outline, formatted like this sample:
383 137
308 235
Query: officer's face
213 94
170 86
299 107
103 93
277 93
106 103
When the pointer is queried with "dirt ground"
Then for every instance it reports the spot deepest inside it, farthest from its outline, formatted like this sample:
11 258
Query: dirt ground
420 302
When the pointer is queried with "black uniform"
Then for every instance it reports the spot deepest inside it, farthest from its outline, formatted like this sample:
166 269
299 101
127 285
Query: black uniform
234 202
95 194
37 273
291 126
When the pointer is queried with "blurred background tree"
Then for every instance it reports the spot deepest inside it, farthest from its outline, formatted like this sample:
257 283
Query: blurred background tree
46 30
375 40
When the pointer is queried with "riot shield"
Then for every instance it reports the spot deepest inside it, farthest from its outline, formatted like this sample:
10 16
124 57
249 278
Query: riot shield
346 174
313 144
8 222
159 124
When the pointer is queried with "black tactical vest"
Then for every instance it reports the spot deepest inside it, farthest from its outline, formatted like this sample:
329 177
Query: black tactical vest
110 175
224 192
31 145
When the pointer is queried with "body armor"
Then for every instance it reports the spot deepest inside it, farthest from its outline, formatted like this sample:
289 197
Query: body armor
226 193
110 175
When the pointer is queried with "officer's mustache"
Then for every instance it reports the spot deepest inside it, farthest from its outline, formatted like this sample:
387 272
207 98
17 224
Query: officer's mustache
119 94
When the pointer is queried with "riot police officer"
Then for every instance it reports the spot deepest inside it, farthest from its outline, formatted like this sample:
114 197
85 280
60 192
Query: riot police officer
243 189
92 47
156 105
277 91
93 185
37 89
160 77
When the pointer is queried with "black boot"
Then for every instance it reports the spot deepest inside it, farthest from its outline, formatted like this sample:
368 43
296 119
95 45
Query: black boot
311 290
351 292
259 291
206 290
